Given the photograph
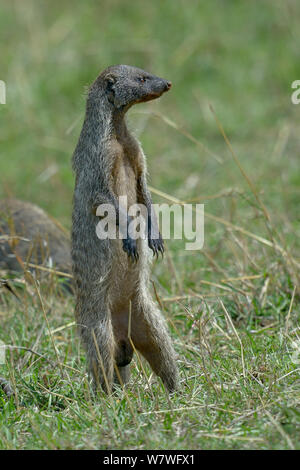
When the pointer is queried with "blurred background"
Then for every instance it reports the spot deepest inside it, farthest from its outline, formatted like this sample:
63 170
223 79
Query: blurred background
241 57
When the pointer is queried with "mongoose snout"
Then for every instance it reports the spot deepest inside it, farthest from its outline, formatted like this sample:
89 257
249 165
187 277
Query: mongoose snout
157 88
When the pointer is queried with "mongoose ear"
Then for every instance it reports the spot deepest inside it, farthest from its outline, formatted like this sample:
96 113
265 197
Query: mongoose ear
113 97
110 87
110 81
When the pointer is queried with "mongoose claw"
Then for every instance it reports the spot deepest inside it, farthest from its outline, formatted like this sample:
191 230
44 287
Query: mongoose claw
157 246
129 246
161 248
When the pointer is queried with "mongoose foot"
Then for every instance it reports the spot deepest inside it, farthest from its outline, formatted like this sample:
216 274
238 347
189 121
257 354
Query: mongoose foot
156 245
129 246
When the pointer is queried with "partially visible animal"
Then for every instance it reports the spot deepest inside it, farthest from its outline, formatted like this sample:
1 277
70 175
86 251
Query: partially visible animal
29 235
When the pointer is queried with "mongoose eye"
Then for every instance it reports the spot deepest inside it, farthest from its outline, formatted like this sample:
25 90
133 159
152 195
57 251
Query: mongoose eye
142 79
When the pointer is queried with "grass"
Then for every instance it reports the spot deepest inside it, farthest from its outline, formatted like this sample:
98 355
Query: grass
233 307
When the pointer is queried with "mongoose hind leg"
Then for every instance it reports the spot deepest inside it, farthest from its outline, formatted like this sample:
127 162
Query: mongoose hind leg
95 327
150 337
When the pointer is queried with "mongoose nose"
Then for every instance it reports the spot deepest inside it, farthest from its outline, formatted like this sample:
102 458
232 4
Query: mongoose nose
168 85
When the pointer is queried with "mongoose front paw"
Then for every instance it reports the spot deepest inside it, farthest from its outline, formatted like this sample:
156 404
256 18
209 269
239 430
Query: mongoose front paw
156 245
130 247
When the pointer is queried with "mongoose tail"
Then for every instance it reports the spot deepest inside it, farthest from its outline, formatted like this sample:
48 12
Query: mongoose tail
112 276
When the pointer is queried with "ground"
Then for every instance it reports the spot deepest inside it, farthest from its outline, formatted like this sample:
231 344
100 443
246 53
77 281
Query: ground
226 135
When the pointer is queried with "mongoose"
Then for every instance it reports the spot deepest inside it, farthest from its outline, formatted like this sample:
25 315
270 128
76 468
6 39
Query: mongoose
112 276
28 234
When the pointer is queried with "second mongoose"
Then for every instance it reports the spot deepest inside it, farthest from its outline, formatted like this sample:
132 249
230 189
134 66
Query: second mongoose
29 235
112 275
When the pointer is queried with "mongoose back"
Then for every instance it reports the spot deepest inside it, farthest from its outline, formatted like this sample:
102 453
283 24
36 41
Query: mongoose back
112 275
29 234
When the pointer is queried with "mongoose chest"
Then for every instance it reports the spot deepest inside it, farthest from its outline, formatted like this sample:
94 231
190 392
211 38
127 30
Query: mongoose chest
125 176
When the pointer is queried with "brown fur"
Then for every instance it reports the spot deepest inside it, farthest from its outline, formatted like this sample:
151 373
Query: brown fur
112 275
31 236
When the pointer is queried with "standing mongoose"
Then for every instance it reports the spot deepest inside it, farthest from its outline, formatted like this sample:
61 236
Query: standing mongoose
112 275
29 235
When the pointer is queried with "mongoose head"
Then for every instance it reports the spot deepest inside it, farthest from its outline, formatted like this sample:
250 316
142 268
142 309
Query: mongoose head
124 86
